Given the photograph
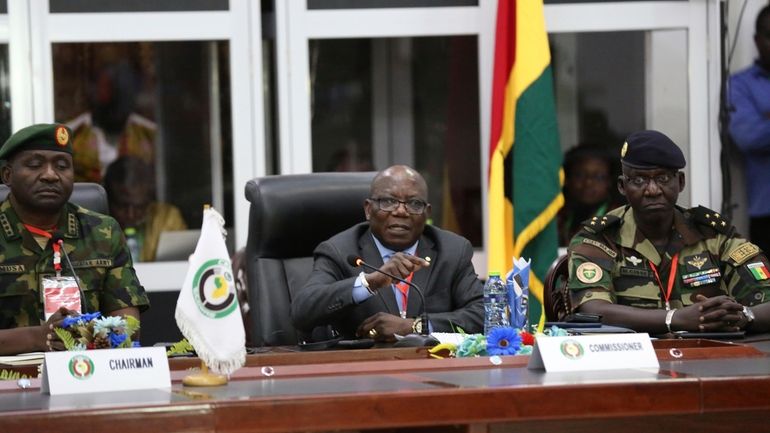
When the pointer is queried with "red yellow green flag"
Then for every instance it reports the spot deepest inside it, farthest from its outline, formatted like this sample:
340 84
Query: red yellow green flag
525 175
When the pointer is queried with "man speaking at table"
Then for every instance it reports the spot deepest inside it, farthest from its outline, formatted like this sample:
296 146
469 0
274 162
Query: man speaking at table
655 267
365 303
37 167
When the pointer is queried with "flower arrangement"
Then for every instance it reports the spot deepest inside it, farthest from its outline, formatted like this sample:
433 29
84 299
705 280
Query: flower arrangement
500 341
94 331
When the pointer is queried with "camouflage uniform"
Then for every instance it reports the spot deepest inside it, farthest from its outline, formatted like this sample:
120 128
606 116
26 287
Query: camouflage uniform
98 252
609 259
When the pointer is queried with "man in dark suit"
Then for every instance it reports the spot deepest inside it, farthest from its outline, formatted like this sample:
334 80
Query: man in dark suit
396 239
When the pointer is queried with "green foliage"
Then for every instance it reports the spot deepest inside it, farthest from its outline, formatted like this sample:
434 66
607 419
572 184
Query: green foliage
182 347
66 338
11 375
132 324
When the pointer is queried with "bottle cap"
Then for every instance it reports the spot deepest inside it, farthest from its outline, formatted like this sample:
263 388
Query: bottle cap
130 231
494 274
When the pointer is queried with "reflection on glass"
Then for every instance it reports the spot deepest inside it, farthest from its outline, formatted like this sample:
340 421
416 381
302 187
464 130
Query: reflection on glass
607 85
149 106
5 95
378 102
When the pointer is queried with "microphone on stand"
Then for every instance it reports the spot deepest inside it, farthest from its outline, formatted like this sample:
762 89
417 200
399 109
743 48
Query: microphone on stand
59 239
422 339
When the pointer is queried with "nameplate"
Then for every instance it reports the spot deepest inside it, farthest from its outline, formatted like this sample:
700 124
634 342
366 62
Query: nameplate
76 372
593 352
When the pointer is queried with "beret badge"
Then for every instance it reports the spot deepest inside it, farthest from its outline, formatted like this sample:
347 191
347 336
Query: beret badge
62 136
624 149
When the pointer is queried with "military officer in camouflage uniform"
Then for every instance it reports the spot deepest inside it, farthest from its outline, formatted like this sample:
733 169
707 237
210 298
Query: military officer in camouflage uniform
655 267
38 169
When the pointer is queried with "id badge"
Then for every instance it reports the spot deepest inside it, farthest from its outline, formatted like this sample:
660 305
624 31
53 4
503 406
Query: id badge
60 292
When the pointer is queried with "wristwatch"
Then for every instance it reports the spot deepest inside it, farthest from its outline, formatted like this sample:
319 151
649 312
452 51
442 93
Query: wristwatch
749 315
417 325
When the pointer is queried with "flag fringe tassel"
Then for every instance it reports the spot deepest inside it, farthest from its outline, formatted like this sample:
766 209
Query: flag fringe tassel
234 360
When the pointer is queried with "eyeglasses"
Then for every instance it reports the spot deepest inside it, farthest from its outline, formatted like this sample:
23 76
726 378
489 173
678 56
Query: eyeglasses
414 206
662 180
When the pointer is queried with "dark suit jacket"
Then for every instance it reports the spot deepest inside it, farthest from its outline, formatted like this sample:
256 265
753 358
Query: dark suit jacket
453 292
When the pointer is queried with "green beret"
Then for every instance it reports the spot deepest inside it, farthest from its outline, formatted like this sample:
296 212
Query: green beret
43 136
651 149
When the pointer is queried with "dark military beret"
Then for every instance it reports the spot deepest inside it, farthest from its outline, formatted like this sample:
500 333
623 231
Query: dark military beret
651 149
43 136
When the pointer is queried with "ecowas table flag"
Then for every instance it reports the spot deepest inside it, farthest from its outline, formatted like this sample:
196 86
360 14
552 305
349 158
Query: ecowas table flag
207 310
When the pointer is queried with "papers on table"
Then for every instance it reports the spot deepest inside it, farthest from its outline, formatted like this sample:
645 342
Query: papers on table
32 358
449 337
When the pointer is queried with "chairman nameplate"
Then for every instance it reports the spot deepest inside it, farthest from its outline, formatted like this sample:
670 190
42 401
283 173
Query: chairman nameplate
105 370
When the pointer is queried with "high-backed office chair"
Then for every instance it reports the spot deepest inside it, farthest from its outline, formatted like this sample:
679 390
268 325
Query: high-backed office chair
289 216
88 195
556 297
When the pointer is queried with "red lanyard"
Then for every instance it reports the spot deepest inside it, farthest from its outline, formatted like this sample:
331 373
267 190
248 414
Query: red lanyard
56 247
671 278
404 289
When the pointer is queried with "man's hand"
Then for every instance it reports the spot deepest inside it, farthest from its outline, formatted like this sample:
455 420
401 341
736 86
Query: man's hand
400 265
717 314
49 340
385 326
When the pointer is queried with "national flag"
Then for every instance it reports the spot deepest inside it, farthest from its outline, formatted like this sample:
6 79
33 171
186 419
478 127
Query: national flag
759 271
525 175
207 311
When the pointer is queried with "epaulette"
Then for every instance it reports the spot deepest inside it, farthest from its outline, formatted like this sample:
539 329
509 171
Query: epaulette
707 217
598 224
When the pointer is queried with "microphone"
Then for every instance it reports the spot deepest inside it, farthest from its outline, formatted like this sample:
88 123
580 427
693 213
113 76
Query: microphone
59 239
422 339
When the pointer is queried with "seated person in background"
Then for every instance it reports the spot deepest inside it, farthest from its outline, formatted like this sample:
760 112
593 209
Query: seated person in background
655 267
396 239
588 188
130 192
37 167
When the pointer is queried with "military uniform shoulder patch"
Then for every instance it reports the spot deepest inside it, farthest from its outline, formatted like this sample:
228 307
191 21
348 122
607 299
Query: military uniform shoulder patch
589 273
600 223
744 252
707 217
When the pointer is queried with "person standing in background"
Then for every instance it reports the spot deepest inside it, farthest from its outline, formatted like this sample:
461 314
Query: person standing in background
750 129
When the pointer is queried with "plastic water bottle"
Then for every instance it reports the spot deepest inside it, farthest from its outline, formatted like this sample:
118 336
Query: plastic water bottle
133 243
496 313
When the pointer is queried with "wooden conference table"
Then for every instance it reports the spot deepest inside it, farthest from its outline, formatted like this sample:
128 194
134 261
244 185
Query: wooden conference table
701 386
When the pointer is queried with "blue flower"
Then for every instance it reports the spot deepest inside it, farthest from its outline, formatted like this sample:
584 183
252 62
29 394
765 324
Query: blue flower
117 339
79 320
503 341
136 344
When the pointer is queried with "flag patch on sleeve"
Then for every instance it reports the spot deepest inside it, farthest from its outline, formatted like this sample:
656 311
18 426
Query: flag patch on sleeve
758 270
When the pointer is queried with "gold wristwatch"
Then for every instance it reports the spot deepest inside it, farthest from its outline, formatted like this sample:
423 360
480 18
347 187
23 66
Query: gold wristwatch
417 325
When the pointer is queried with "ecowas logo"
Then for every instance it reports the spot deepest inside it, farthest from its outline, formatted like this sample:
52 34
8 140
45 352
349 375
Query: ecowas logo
81 367
571 349
211 289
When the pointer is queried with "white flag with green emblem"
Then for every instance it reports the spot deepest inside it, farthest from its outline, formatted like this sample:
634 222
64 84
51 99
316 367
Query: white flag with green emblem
207 311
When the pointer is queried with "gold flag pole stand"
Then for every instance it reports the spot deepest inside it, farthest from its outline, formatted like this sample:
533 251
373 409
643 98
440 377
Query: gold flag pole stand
204 378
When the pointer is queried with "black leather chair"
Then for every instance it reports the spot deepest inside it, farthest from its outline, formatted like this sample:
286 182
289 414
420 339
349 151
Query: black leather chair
88 195
556 296
289 216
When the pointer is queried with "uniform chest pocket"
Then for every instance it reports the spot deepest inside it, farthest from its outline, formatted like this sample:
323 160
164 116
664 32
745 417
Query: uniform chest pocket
92 273
699 275
16 285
